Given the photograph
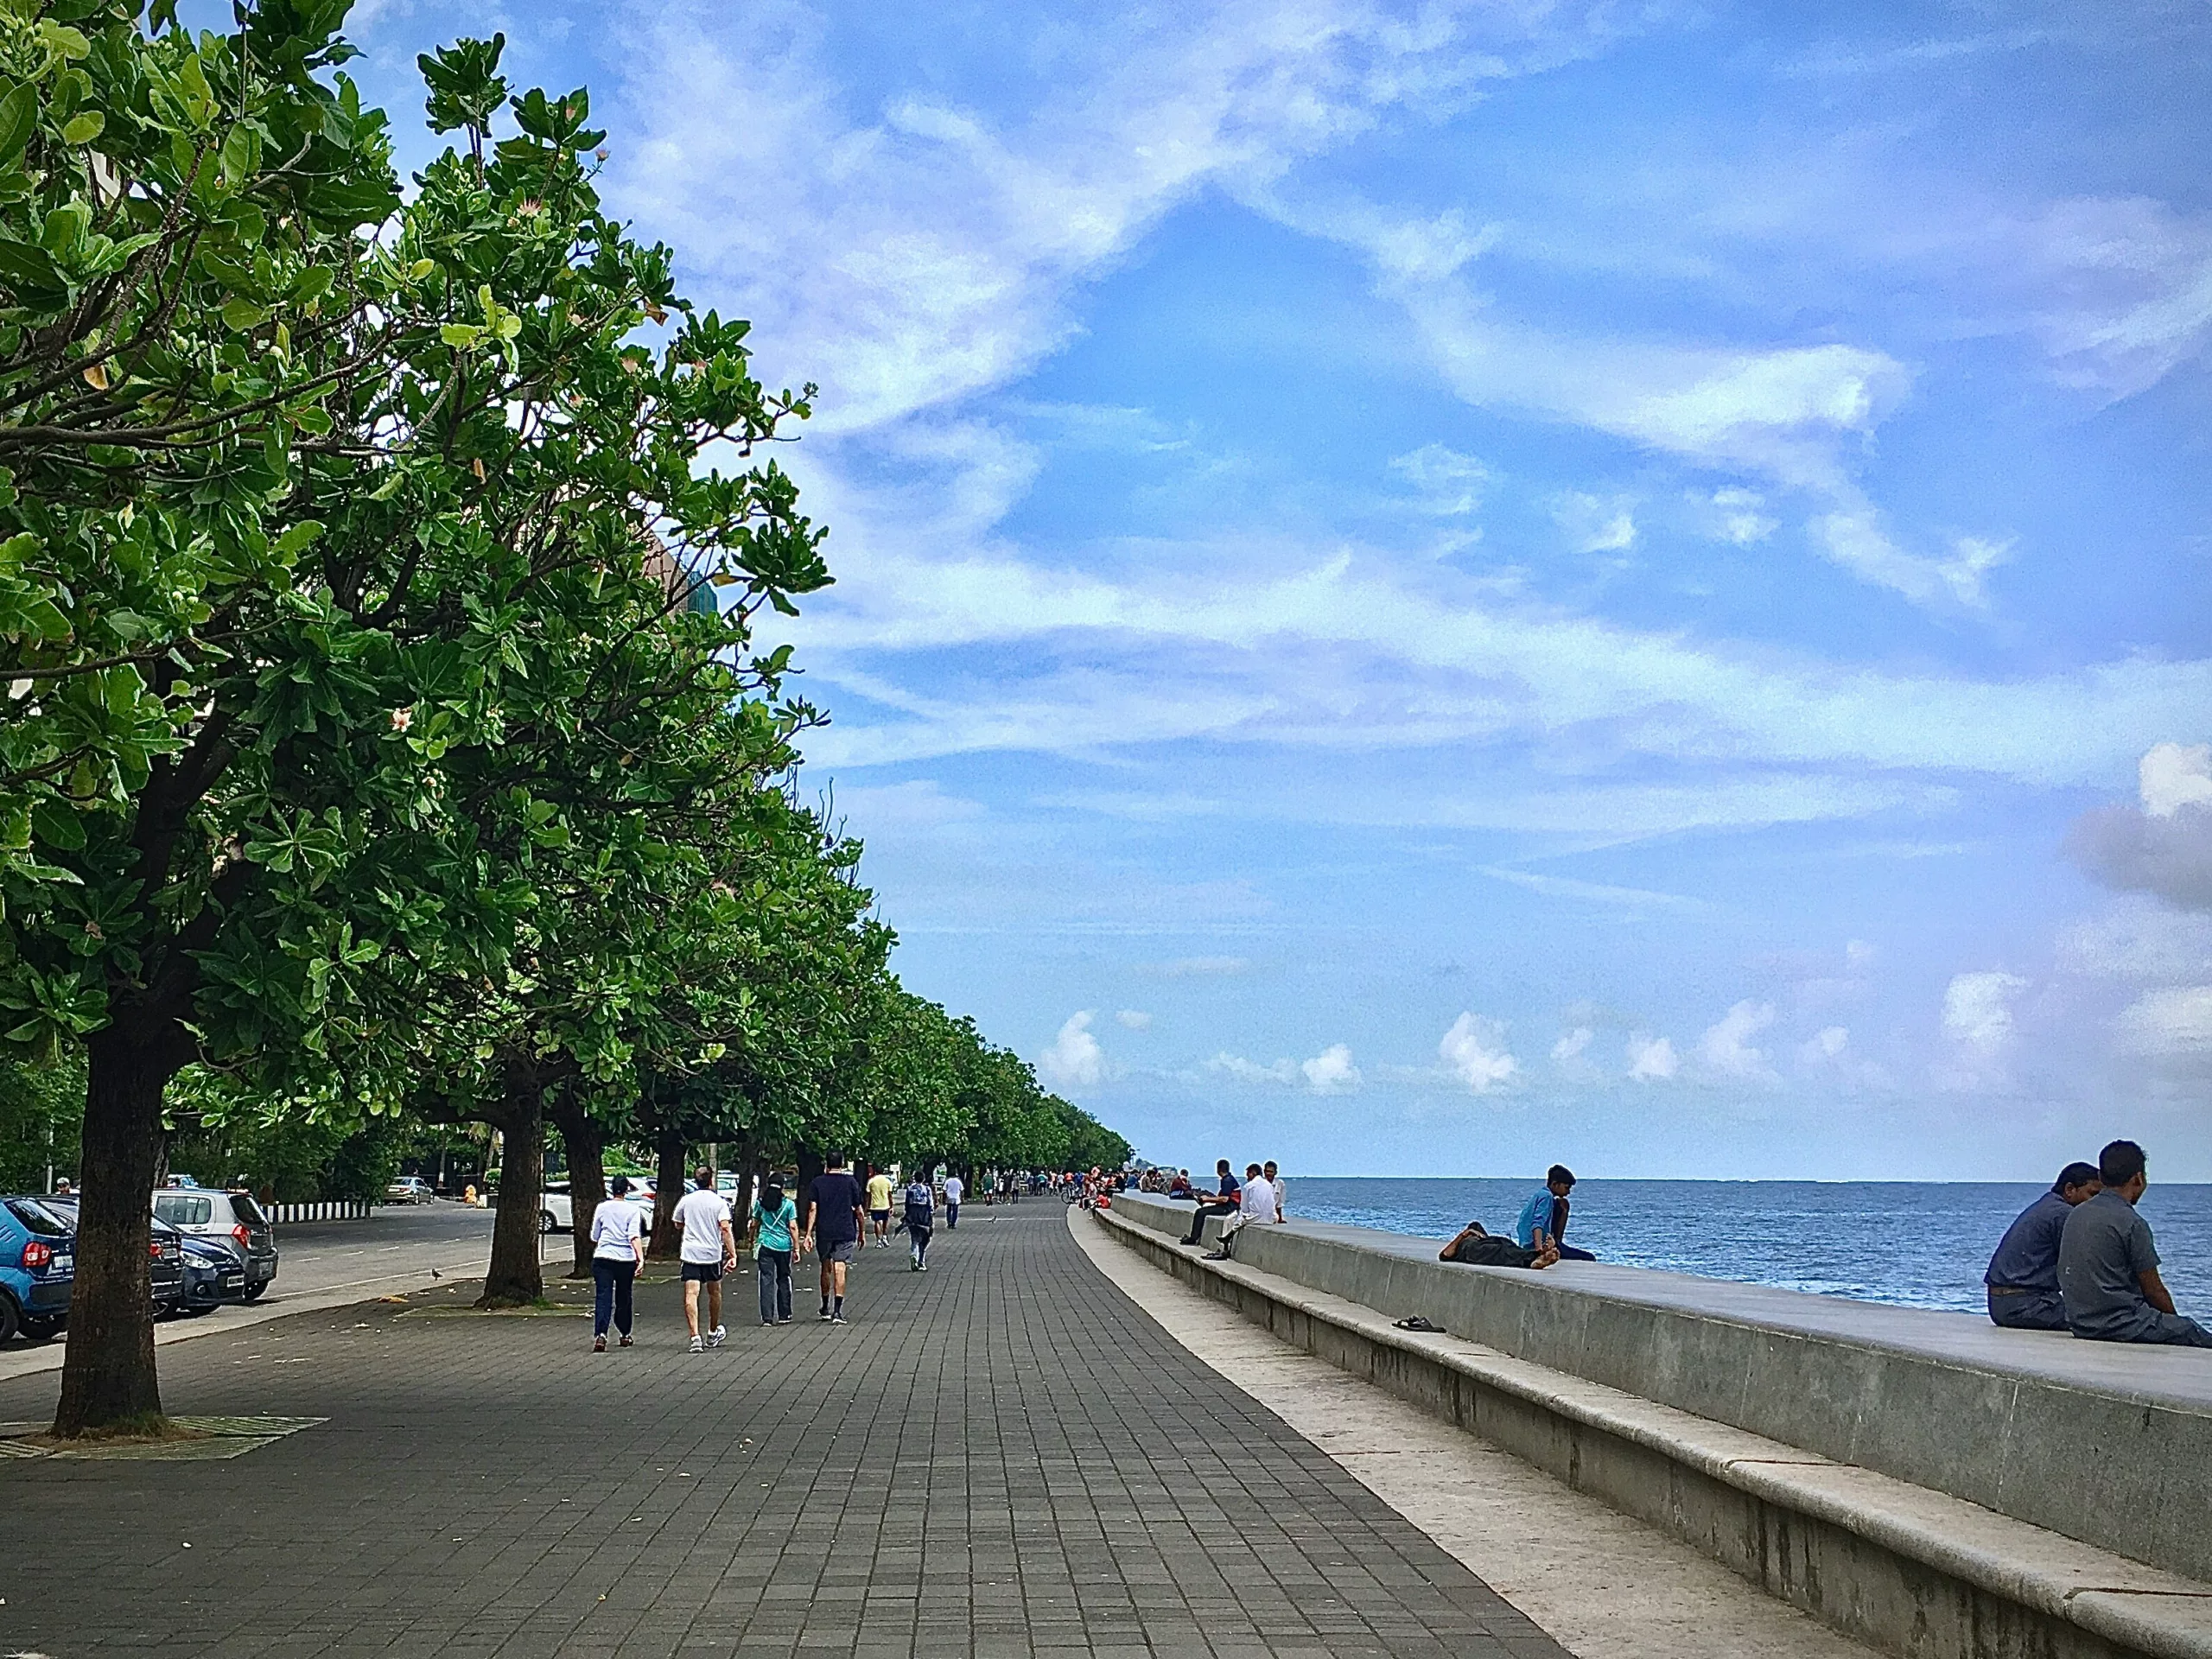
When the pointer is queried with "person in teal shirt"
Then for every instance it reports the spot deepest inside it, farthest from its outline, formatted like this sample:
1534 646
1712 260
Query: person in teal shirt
1542 1224
775 1217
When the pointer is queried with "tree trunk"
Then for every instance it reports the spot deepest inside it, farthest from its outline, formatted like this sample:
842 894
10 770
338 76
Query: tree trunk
667 1242
587 1149
516 1276
107 1369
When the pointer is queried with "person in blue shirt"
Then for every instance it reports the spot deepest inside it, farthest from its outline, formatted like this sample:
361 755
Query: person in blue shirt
2022 1276
1229 1193
1542 1224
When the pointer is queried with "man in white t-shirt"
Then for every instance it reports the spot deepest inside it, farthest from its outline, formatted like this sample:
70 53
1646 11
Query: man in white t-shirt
953 1188
709 1251
1255 1201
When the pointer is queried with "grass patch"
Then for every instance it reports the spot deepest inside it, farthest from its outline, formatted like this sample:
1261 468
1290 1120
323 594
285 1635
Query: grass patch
146 1428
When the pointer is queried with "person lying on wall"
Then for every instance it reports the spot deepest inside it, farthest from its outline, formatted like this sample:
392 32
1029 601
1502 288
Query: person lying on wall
1474 1246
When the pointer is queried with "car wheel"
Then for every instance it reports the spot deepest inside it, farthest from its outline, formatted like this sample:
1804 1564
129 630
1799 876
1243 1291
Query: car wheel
43 1329
9 1318
546 1223
253 1292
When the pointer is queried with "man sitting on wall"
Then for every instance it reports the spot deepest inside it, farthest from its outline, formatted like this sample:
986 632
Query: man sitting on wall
1474 1247
2108 1269
1255 1201
2022 1276
1227 1193
1542 1222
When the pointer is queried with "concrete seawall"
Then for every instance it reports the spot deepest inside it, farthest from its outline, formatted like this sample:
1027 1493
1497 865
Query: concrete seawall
1904 1476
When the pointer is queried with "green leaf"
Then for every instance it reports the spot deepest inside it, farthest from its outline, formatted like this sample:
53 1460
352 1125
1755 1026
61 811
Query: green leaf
18 116
31 274
300 535
462 336
84 128
244 313
58 826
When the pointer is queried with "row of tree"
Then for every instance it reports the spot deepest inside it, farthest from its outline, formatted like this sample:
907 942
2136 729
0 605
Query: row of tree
383 730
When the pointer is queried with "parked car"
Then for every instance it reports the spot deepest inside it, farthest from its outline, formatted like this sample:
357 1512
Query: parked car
214 1273
208 1212
557 1209
164 1246
409 1189
38 1267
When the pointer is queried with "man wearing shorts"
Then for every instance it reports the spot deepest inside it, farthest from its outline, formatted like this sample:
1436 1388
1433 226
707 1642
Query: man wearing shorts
833 1231
879 1208
709 1251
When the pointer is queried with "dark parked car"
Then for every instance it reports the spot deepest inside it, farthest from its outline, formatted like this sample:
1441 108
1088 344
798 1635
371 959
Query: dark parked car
38 1266
214 1273
165 1248
204 1212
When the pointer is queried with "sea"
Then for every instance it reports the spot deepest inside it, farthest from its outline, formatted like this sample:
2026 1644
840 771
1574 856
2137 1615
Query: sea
1913 1244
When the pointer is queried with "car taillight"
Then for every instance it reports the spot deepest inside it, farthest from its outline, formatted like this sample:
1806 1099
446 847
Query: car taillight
243 1236
154 1250
37 1257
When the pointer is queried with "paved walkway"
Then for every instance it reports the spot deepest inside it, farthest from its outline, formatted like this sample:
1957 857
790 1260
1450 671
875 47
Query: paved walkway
1003 1457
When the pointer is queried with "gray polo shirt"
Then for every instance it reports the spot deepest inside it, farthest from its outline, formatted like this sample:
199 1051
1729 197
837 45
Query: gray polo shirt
2104 1250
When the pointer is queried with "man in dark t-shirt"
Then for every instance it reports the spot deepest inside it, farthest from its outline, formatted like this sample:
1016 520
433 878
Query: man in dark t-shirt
1475 1246
2022 1276
1227 1191
832 1226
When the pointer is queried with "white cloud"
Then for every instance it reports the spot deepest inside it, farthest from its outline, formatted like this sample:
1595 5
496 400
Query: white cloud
941 243
2168 1023
1244 1070
1074 1060
2172 775
1595 524
2140 940
1331 1071
1570 1046
1204 967
1824 1044
1738 516
1652 1059
1446 483
1978 1011
1474 1050
1565 887
1855 539
1134 1019
1726 1048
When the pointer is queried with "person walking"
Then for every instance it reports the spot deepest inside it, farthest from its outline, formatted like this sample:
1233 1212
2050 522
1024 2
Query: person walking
833 1231
775 1220
953 1188
618 1250
879 1208
921 1221
709 1251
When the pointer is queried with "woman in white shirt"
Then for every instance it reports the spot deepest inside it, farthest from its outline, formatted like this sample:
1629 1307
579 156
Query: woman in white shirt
618 1238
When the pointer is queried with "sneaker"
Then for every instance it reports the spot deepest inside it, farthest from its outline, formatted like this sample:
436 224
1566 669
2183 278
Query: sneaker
697 1346
825 1316
625 1343
599 1345
715 1337
787 1320
765 1324
926 1266
837 1319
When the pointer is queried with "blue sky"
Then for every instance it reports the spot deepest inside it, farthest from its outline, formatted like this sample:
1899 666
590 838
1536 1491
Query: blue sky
1428 587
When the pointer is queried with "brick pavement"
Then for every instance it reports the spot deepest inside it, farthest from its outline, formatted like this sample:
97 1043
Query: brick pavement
1003 1457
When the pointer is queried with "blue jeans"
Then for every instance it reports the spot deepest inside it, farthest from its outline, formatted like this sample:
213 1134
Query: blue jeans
917 1243
775 1284
951 1214
611 1282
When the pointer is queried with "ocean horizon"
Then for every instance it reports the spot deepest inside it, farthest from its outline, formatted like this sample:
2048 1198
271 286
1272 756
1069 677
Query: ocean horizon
1908 1243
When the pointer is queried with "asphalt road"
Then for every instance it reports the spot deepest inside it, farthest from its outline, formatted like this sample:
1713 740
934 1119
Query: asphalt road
330 1263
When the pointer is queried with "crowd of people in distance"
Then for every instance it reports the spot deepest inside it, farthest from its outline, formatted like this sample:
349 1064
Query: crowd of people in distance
2081 1259
837 1217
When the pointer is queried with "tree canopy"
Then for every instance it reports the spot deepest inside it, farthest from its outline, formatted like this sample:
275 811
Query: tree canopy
383 734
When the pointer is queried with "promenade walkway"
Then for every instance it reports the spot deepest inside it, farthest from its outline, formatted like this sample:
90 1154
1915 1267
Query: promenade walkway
1003 1457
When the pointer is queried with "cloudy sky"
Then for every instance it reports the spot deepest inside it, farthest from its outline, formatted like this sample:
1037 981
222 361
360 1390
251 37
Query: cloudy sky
1424 587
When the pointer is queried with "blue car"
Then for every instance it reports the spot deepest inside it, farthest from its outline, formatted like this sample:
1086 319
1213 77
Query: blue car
214 1273
38 1266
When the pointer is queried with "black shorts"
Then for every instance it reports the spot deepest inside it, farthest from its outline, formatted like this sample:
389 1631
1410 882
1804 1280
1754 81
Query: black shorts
704 1272
879 1216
